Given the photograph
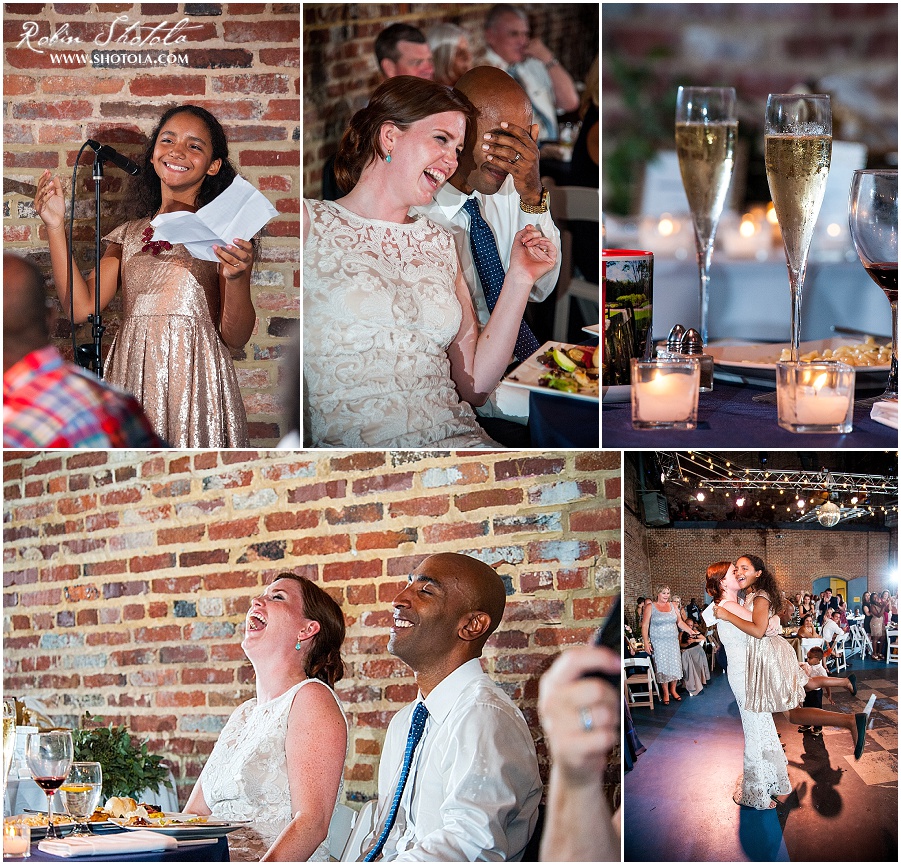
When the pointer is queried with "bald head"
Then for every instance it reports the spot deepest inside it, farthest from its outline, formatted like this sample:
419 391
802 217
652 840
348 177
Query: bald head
498 98
480 585
26 325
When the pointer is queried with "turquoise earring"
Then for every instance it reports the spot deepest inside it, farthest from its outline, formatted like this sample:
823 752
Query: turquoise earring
388 157
298 645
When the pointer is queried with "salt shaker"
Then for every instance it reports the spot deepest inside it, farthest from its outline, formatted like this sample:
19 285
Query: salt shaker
693 347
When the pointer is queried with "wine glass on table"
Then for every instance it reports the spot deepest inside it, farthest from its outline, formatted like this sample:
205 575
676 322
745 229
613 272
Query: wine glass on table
798 153
873 216
706 131
49 756
81 794
9 735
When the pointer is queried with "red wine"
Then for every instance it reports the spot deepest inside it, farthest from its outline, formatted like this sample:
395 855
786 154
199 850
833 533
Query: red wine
50 783
885 275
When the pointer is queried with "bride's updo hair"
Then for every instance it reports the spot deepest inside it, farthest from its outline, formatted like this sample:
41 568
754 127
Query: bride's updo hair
715 574
765 583
401 100
323 660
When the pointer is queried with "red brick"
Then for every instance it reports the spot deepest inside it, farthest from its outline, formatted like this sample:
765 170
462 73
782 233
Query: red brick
367 746
230 580
352 570
280 228
52 109
488 499
133 612
522 664
85 592
180 535
207 460
207 676
31 159
153 724
140 564
378 720
275 183
257 82
203 557
268 32
614 549
103 569
227 652
613 488
161 634
386 540
403 566
77 504
359 772
594 520
359 461
527 467
321 546
158 609
383 483
188 654
564 636
359 595
105 680
438 534
592 608
508 640
572 578
234 529
536 581
354 514
312 492
433 506
282 109
536 609
284 521
19 85
168 85
73 85
596 461
97 522
180 698
60 572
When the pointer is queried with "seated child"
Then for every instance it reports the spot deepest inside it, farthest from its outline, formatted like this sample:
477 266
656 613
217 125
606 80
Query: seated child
814 667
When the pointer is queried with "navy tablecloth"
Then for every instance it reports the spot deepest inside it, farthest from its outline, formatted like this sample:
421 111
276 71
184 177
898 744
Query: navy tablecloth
214 852
729 418
562 422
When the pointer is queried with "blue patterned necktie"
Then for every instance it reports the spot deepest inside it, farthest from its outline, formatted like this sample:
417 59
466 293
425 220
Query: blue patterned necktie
417 725
491 273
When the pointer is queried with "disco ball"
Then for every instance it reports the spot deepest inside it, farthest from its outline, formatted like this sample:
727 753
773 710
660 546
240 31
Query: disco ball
829 514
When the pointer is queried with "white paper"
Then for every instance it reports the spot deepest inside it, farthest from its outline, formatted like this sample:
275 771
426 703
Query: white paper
708 616
241 211
885 412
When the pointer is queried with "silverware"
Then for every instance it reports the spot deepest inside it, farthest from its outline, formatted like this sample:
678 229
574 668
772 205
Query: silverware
851 331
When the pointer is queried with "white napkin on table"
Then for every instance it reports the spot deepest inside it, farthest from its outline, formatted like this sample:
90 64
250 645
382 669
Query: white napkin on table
885 412
239 211
120 842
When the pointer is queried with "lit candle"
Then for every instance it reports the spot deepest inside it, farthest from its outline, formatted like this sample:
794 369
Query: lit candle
666 397
820 404
14 845
815 397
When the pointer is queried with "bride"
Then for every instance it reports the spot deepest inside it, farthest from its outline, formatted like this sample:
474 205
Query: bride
765 772
393 355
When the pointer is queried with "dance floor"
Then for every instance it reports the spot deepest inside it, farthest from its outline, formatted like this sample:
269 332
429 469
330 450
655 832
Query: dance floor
677 801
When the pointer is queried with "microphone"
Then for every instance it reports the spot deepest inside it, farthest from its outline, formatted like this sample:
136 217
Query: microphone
104 151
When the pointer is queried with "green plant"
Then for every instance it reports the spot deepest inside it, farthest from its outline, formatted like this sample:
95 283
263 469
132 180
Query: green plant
127 767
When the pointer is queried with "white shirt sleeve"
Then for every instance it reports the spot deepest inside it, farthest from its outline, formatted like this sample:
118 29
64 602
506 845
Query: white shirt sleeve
491 787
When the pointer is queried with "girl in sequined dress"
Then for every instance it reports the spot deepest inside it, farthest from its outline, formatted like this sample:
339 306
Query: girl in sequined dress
774 680
181 316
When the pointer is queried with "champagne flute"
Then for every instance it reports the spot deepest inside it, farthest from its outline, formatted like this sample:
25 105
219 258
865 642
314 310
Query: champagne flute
798 152
873 216
49 756
9 735
706 131
81 794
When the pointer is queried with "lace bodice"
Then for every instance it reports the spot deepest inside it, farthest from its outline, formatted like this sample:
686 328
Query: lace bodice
380 310
246 777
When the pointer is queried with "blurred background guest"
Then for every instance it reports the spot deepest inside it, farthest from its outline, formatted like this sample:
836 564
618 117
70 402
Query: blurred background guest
402 50
48 402
531 62
451 52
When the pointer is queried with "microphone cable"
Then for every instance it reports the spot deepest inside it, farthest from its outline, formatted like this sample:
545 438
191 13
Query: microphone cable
72 256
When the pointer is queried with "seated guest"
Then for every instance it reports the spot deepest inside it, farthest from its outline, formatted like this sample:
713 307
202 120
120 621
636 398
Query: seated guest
826 603
806 629
280 758
402 50
693 611
495 192
695 667
580 717
831 628
470 790
451 54
530 62
48 402
393 352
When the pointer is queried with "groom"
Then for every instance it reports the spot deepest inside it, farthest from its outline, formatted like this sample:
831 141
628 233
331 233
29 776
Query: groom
497 172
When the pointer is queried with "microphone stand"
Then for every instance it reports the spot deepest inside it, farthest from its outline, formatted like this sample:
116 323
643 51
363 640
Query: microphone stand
97 327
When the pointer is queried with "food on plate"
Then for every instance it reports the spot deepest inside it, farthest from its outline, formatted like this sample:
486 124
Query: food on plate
571 370
120 806
866 353
37 820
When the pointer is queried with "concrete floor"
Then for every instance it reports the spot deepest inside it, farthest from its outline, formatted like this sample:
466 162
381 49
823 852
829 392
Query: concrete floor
677 804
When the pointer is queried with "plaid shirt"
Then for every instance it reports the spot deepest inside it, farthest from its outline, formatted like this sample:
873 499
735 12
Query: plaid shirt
50 403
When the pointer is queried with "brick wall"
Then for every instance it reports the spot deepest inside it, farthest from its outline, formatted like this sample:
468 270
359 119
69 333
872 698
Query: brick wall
127 576
339 67
242 65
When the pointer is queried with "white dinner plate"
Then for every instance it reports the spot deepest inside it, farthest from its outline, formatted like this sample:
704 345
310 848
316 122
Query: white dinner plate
593 329
755 363
528 373
210 828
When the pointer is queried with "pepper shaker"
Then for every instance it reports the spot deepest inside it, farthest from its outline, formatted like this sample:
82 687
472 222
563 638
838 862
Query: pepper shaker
693 347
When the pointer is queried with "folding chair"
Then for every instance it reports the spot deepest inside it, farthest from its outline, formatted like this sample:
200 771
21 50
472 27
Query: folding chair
838 653
642 676
857 637
891 656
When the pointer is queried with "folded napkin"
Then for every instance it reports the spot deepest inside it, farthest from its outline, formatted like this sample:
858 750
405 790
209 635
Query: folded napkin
139 841
885 412
512 401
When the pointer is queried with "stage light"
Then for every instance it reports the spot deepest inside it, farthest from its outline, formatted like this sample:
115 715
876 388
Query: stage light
740 501
801 503
700 496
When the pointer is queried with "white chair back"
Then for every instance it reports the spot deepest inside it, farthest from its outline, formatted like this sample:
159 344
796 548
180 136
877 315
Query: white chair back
857 644
838 653
339 829
362 828
891 656
639 673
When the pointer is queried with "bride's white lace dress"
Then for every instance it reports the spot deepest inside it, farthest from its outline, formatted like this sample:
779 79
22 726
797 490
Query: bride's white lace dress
379 312
765 765
246 775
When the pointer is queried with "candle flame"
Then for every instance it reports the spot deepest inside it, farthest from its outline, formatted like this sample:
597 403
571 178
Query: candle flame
747 227
820 381
771 217
833 229
666 226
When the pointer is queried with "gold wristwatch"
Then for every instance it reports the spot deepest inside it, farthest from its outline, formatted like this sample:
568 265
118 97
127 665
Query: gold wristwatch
542 205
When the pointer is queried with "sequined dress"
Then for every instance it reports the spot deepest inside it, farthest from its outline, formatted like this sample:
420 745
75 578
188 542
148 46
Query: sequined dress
764 764
246 778
775 680
379 312
664 634
168 352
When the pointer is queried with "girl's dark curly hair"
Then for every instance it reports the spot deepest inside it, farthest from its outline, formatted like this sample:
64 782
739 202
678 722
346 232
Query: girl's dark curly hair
148 196
766 583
